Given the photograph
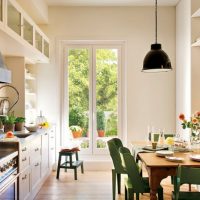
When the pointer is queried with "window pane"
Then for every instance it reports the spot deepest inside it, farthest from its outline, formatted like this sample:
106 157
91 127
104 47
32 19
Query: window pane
78 77
106 95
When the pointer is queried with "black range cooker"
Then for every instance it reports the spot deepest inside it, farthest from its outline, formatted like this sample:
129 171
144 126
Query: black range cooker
9 171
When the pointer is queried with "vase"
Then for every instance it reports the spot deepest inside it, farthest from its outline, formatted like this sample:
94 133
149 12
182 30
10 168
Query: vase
195 140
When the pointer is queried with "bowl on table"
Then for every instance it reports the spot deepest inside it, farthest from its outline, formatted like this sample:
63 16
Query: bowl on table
32 128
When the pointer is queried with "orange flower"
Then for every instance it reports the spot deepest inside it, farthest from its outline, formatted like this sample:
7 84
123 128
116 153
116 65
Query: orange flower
182 117
194 120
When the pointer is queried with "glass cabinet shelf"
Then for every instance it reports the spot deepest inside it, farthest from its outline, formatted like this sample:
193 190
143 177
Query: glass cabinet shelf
28 31
13 18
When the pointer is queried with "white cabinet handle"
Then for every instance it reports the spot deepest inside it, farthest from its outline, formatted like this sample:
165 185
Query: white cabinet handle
37 149
24 149
24 159
23 178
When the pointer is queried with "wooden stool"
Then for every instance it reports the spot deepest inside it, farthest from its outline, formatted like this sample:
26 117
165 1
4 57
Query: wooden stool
69 164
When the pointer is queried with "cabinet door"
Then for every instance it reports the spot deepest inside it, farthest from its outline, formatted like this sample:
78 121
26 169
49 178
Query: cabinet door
36 174
35 149
13 18
45 154
38 41
28 31
25 185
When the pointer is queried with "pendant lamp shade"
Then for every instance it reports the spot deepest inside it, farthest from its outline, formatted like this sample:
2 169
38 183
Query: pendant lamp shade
156 60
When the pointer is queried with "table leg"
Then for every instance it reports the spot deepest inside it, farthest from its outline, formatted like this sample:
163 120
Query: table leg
155 177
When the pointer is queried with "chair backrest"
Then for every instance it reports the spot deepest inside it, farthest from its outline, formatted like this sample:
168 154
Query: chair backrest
132 170
113 146
186 175
190 175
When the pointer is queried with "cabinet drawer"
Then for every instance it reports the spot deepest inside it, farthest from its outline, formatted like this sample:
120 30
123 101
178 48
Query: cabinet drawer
24 157
35 148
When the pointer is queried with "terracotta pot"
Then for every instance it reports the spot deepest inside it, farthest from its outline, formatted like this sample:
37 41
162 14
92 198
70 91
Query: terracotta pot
101 133
19 126
76 134
9 127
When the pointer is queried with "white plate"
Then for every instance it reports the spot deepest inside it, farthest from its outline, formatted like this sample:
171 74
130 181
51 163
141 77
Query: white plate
164 153
195 157
174 159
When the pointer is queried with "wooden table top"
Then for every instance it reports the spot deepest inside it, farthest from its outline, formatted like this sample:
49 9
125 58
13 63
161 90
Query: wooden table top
152 160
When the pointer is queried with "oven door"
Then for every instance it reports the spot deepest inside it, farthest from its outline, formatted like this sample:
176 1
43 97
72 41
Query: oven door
8 188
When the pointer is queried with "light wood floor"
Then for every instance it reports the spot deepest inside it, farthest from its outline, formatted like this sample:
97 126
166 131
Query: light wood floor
92 185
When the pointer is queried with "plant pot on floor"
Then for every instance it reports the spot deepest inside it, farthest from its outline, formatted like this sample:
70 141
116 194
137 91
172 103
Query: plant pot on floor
101 133
76 134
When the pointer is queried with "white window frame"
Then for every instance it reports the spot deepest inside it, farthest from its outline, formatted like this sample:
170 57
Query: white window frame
122 110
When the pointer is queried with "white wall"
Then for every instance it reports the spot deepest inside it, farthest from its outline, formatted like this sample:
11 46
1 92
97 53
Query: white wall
150 97
183 61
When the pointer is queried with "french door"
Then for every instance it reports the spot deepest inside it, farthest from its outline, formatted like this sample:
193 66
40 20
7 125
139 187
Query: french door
92 95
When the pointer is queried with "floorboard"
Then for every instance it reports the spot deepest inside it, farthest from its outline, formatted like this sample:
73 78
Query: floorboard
92 185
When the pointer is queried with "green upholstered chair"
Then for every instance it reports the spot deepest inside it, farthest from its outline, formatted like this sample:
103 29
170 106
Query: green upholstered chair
186 175
113 146
134 183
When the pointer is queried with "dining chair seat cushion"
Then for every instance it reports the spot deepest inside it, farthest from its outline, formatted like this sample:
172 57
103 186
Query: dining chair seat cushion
187 195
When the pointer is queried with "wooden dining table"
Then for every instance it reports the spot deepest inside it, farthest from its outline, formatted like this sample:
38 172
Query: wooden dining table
159 168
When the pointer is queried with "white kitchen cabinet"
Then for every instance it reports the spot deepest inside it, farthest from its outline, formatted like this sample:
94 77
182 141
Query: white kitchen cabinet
23 37
25 185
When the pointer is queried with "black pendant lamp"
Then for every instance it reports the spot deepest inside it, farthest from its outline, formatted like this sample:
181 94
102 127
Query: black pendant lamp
156 59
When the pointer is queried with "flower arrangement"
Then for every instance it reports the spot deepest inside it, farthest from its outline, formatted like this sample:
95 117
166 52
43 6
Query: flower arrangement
193 124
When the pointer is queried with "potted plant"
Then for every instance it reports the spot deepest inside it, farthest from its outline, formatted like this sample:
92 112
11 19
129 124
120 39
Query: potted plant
101 123
19 123
9 123
76 131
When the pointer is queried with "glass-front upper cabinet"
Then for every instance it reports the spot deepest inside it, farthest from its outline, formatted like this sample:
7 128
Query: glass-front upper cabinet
13 18
28 31
46 48
1 10
38 41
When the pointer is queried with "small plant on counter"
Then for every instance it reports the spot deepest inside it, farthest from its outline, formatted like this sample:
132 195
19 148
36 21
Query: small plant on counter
19 123
76 131
9 123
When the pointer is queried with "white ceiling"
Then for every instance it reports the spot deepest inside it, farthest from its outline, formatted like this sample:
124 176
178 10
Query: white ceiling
110 2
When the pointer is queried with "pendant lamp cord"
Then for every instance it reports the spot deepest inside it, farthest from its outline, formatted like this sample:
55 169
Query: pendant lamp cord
156 4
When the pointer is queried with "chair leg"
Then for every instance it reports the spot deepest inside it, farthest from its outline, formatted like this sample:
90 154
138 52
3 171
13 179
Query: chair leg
119 183
58 167
82 169
125 193
75 173
130 195
160 194
113 183
137 196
